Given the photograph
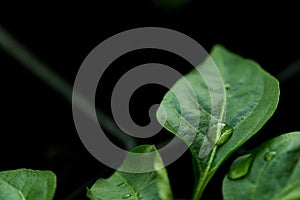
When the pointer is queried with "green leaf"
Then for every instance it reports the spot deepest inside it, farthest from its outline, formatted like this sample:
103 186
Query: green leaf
217 107
134 186
26 184
274 173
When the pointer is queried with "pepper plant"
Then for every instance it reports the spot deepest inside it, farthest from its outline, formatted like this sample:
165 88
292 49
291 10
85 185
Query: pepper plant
250 97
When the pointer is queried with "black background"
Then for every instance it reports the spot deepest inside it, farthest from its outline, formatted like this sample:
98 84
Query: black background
37 125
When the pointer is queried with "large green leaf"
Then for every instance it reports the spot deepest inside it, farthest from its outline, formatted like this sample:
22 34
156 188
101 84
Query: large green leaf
25 184
274 172
215 110
134 186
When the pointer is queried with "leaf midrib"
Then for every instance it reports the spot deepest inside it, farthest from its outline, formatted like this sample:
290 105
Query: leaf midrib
287 188
131 188
222 115
11 186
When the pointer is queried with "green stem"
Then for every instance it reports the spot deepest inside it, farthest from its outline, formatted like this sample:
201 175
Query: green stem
202 182
9 44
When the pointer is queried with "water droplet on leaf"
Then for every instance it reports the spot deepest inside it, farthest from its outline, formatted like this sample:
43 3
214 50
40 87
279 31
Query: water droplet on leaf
226 133
126 196
240 167
140 196
227 86
269 155
217 134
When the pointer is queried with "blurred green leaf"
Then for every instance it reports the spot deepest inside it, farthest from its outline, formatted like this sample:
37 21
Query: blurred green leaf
134 186
26 184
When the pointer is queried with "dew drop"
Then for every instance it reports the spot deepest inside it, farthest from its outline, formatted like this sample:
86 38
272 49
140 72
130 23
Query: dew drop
240 167
120 184
140 196
126 196
217 134
227 86
270 155
226 133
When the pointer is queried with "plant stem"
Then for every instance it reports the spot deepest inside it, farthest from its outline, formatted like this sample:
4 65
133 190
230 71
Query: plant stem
202 182
23 55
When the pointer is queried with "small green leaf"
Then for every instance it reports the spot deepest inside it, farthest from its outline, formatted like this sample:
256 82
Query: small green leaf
274 173
25 184
134 186
200 107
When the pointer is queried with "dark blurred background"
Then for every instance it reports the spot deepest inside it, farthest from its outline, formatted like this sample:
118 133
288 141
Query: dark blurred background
37 124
